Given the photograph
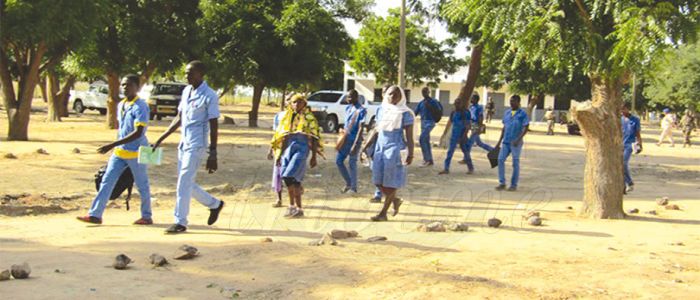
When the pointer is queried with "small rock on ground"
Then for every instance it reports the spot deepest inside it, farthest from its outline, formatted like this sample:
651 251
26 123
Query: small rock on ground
229 121
20 271
76 150
10 156
121 262
158 260
432 227
186 252
342 234
534 221
376 239
459 227
42 151
672 207
633 211
5 275
326 239
266 240
494 222
531 214
570 207
651 212
662 201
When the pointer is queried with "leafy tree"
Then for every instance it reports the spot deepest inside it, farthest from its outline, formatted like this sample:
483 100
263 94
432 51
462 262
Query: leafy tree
272 43
609 40
143 37
377 51
675 78
36 35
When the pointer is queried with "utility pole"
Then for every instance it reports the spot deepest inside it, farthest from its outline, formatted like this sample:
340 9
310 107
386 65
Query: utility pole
402 47
634 92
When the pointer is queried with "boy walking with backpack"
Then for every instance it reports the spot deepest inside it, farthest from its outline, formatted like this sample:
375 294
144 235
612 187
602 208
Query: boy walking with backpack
430 112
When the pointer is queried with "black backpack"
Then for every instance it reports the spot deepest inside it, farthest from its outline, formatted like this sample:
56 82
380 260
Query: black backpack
125 182
435 111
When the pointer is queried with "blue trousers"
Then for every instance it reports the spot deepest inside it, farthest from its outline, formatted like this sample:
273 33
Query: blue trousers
506 150
115 168
351 175
475 137
426 127
187 166
455 140
626 154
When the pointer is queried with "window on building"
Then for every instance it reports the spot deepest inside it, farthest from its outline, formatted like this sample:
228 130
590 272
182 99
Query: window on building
351 84
562 103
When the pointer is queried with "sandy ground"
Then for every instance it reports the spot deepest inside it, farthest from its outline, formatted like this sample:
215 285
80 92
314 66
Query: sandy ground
644 256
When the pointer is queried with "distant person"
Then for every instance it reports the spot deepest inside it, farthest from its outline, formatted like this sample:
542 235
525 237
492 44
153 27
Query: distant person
132 117
460 119
549 117
297 138
631 136
515 125
272 153
490 109
198 115
350 142
668 123
393 149
688 123
428 109
476 112
563 119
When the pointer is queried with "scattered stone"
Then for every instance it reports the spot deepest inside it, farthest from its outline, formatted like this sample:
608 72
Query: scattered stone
342 234
633 211
651 212
459 227
677 280
377 239
534 221
229 121
158 260
531 214
20 271
612 249
186 252
10 156
266 240
5 275
672 207
678 244
326 239
76 151
494 222
570 207
432 227
121 262
662 201
42 151
59 271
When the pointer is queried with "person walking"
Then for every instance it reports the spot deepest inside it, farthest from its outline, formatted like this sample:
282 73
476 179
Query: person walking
428 109
515 125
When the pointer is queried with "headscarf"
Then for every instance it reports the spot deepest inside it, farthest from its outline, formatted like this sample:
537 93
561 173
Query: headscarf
392 115
293 122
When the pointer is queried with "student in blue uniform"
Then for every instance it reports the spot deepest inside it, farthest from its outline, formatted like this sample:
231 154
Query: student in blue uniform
297 137
515 126
132 117
427 123
631 134
394 137
349 144
460 119
197 114
368 150
477 115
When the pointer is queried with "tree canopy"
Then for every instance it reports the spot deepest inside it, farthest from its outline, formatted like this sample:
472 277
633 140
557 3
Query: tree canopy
377 51
675 78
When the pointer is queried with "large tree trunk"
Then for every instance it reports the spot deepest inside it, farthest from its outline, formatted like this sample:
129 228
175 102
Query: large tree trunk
146 74
603 183
282 101
64 94
474 69
257 95
112 99
19 106
52 89
42 86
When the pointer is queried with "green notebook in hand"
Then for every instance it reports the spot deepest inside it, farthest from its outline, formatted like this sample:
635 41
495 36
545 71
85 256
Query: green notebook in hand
148 156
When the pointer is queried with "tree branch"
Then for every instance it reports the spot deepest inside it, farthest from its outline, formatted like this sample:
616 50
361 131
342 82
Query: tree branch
584 14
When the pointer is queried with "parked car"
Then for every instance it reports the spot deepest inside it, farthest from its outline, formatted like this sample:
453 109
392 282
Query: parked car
164 99
329 109
94 98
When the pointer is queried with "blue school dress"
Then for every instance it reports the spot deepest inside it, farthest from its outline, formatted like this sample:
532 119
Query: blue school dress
388 169
293 162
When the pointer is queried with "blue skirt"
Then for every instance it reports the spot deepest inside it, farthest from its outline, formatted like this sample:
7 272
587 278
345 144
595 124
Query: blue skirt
294 157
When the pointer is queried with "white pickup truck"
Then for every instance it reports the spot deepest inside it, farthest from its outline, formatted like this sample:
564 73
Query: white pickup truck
94 98
329 109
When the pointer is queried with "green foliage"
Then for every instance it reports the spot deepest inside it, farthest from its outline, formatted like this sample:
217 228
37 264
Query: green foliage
377 51
675 78
605 38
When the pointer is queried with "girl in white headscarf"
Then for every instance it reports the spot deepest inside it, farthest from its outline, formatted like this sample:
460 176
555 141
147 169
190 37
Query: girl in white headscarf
394 136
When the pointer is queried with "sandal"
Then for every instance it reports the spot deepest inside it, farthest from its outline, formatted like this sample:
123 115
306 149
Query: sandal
143 221
90 219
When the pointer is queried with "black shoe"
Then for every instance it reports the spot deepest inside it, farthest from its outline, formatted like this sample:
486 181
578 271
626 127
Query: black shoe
501 187
379 218
512 189
375 200
214 214
176 228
